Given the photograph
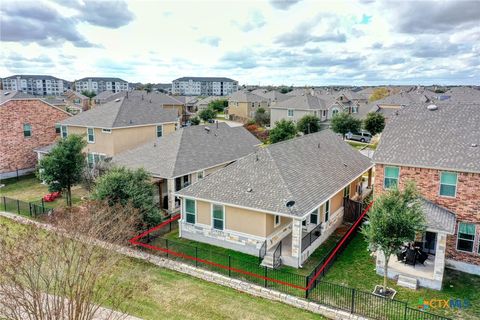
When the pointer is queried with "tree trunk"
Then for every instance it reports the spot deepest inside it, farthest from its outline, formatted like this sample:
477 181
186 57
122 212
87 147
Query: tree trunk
385 273
69 196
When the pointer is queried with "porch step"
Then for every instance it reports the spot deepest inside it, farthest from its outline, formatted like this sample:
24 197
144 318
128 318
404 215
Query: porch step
269 262
407 282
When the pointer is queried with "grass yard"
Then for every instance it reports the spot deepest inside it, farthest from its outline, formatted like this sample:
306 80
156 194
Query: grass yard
164 294
29 189
356 268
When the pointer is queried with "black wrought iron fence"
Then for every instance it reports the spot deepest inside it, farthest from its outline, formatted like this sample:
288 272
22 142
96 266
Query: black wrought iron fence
310 237
24 208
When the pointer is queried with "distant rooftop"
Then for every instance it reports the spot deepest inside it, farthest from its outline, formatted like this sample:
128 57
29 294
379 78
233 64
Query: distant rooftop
34 77
246 96
102 79
6 95
213 79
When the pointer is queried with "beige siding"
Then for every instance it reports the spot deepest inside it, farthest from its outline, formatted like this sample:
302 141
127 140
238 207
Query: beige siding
103 141
245 109
245 221
204 215
212 170
336 202
271 223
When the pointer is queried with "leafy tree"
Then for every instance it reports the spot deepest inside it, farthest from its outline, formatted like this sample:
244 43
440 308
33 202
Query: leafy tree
148 87
394 219
123 186
195 121
207 114
343 122
308 124
262 117
285 89
284 130
378 94
89 94
374 122
218 105
63 166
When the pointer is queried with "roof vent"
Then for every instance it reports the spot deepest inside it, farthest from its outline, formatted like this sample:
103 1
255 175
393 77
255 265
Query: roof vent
207 129
432 107
6 93
289 203
117 100
131 121
154 145
249 189
474 145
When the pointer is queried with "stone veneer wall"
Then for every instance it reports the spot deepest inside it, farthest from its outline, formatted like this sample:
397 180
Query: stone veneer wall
225 238
466 206
16 151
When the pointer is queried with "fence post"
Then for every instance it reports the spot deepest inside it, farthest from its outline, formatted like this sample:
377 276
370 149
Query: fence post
405 315
307 291
43 205
352 309
30 208
5 203
229 267
166 246
18 206
196 256
265 273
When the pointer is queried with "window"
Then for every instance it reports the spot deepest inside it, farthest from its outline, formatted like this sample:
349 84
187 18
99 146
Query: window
354 109
290 112
106 130
94 158
200 175
27 130
190 210
346 192
391 177
160 131
64 131
448 184
314 216
327 210
217 213
324 113
276 221
58 129
334 112
90 135
465 236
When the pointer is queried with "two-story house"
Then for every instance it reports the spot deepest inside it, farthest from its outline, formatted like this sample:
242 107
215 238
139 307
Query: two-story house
121 124
242 105
438 147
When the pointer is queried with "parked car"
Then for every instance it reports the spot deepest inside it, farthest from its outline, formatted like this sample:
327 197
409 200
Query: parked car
362 135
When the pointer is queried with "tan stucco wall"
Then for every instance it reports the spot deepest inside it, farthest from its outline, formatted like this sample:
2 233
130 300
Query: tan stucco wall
120 139
245 221
336 202
271 223
245 109
204 215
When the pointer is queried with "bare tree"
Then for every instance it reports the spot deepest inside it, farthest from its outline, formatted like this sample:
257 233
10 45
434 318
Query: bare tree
70 271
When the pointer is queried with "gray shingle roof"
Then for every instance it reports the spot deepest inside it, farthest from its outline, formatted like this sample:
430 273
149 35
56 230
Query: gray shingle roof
440 139
34 77
128 111
102 79
190 149
271 95
245 96
214 79
438 218
6 95
462 94
308 170
305 102
45 149
403 98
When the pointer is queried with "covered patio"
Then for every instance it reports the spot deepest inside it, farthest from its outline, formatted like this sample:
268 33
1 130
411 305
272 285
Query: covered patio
429 274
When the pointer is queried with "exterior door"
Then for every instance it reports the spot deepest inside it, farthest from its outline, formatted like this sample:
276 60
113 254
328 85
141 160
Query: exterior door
430 242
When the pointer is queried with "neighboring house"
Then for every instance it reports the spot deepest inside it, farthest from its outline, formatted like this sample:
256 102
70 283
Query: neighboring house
26 123
188 155
439 149
460 94
77 99
391 104
201 104
279 195
297 107
121 124
100 84
242 105
204 86
273 97
106 96
38 85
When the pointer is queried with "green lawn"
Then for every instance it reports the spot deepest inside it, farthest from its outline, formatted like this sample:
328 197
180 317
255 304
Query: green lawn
159 293
29 189
356 268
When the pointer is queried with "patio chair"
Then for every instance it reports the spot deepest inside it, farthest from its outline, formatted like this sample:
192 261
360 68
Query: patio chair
422 257
410 257
401 256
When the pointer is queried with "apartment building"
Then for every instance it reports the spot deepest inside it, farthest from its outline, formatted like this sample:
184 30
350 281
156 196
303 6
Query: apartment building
39 85
204 86
100 84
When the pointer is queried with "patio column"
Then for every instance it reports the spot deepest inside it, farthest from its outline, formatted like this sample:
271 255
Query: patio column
170 193
370 171
297 239
439 266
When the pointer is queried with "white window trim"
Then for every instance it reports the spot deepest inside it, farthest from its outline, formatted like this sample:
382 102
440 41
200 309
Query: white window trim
288 113
440 185
62 131
473 240
329 211
185 211
203 174
104 130
88 135
212 219
384 176
275 224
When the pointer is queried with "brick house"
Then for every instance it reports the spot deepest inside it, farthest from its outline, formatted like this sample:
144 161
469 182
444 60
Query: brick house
27 123
438 147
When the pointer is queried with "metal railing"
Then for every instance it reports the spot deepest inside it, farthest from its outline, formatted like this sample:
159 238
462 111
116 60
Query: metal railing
310 237
277 255
24 208
262 252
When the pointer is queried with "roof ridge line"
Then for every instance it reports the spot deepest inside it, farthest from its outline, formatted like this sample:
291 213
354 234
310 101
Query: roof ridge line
181 132
281 176
118 112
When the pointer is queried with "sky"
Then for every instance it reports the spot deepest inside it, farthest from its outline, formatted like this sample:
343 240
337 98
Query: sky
276 42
